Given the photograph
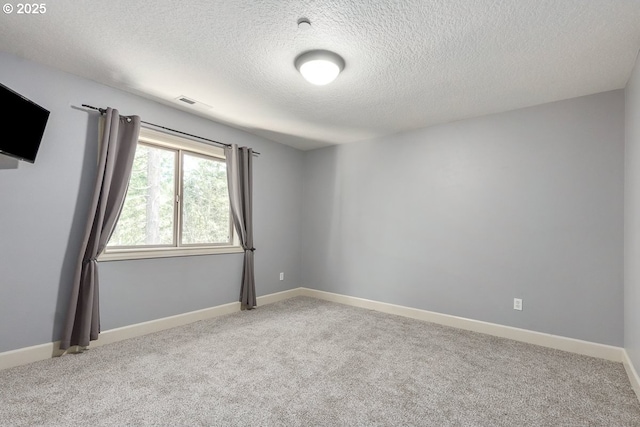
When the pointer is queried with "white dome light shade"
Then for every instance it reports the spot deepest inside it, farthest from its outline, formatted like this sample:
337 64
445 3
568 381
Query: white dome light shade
319 67
319 71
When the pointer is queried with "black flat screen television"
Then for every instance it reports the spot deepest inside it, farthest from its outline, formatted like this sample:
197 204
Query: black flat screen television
22 122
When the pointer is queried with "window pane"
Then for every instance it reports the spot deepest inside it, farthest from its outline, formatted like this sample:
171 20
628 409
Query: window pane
205 201
148 214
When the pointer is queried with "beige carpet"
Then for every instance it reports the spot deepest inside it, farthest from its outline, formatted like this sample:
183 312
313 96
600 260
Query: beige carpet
306 362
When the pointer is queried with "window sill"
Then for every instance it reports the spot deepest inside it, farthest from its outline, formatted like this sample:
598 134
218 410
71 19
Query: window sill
122 255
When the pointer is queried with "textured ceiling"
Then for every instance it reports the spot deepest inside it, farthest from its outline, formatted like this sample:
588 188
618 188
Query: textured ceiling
409 63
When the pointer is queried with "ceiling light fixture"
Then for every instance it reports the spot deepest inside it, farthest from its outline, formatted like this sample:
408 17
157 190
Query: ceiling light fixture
319 67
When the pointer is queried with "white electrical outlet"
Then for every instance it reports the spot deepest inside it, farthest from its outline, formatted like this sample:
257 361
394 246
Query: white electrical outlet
517 304
281 276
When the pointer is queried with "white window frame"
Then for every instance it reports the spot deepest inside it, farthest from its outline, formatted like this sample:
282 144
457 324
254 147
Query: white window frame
173 142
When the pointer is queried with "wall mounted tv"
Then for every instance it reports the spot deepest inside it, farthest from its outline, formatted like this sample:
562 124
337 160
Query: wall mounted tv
23 123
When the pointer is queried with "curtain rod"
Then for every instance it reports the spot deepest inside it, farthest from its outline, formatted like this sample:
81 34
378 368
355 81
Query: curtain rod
104 110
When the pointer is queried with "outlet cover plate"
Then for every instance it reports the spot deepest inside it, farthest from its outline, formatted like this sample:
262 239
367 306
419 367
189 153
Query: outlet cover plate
517 304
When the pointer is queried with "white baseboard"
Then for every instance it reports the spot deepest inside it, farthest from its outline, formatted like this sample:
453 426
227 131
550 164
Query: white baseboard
279 296
572 345
631 373
144 328
35 353
23 356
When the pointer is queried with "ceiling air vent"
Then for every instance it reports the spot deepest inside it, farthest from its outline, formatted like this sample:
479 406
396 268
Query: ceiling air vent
192 103
187 100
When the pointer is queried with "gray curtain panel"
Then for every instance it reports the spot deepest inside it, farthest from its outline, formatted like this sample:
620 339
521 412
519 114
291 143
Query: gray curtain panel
117 149
240 182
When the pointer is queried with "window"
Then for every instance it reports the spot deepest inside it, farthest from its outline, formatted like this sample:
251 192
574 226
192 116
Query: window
177 201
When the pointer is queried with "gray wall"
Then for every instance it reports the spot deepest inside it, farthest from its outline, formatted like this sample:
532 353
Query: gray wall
458 218
43 210
463 217
632 219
